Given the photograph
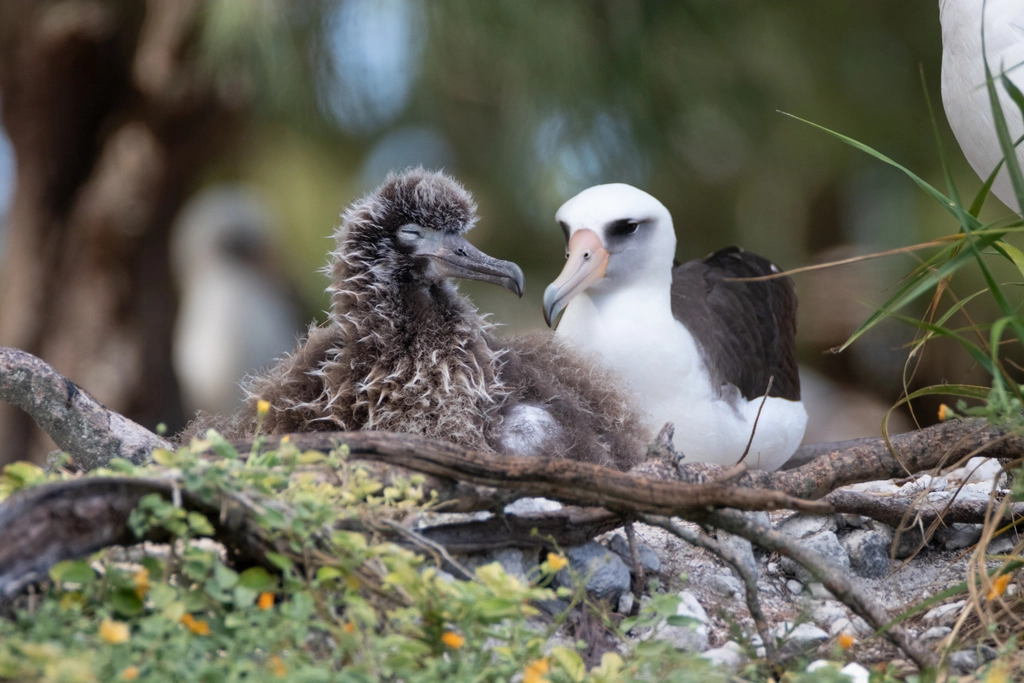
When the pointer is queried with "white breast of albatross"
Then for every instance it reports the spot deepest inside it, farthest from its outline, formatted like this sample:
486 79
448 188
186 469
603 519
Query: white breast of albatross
616 292
964 94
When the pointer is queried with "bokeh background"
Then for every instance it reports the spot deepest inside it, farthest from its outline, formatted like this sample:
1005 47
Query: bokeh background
171 171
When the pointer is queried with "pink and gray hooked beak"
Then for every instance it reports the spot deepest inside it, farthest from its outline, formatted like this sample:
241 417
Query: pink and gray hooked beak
585 265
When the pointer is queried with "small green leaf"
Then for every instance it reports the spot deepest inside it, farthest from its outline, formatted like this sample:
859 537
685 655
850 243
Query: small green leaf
199 524
257 579
23 474
126 602
328 573
280 561
72 571
220 446
235 620
155 567
571 662
225 577
162 595
244 597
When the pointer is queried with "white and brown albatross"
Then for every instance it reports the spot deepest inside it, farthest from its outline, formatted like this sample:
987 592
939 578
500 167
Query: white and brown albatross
402 350
697 348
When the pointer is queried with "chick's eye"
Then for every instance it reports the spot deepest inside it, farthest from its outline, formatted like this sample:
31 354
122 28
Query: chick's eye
411 231
630 227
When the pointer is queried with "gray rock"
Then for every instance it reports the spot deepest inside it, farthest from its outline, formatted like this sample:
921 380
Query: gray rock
963 661
827 612
908 543
868 551
943 615
607 576
825 544
801 526
851 520
959 536
730 655
525 506
800 639
691 637
727 584
626 601
819 592
794 587
1002 545
512 560
649 560
935 633
840 626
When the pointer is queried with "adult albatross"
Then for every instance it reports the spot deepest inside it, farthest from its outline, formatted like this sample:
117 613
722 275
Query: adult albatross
402 350
964 95
698 349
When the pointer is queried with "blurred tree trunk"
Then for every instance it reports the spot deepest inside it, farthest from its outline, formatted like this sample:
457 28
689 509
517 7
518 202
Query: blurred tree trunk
110 124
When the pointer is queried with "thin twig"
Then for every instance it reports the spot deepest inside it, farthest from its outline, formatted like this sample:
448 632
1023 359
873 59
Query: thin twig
639 580
836 582
434 548
729 557
753 430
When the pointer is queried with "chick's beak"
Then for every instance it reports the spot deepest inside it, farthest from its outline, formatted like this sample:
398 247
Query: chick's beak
585 265
454 256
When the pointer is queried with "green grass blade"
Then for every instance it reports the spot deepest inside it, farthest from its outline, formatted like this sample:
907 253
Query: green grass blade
1012 254
977 353
921 283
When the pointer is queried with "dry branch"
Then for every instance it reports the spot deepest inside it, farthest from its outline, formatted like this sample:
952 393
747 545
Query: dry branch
72 519
574 483
836 582
91 433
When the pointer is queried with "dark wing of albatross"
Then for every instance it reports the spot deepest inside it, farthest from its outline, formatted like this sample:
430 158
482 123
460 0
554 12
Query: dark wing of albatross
746 331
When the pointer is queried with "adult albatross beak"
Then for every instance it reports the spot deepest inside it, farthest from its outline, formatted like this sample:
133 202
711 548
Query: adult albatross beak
454 256
585 265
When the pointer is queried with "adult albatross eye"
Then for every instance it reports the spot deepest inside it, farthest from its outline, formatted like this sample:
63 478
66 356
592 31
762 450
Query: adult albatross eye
622 227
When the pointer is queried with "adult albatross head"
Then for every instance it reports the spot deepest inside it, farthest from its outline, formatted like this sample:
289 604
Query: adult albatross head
616 237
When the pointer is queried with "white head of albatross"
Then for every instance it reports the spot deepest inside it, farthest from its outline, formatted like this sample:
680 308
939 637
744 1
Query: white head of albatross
698 349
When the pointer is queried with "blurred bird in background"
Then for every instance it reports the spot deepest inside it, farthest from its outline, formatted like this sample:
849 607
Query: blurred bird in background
237 312
964 94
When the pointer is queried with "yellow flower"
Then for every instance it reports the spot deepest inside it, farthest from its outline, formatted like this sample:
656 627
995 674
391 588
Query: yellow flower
197 626
142 582
944 413
349 627
557 562
130 674
535 670
114 632
287 438
266 600
452 640
277 666
262 407
846 641
998 587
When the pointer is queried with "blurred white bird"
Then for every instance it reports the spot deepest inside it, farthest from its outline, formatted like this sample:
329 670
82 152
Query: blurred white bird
236 311
964 94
